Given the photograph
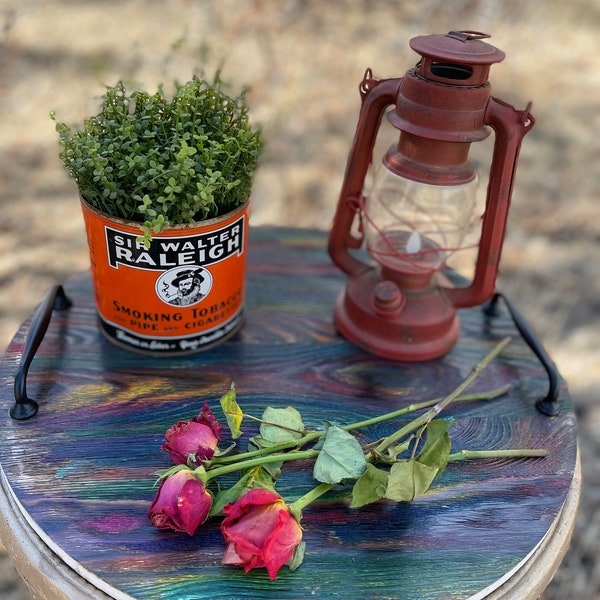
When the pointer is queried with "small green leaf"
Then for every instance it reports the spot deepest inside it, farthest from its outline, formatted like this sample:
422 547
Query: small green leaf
200 474
409 479
282 424
233 412
224 451
370 487
170 471
256 442
297 556
253 478
341 457
260 477
437 446
392 453
231 494
321 440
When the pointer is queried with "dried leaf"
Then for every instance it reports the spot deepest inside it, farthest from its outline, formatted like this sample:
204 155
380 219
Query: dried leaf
282 424
370 487
341 457
409 479
233 412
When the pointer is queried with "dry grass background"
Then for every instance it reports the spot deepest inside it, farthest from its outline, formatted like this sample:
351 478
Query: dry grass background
303 60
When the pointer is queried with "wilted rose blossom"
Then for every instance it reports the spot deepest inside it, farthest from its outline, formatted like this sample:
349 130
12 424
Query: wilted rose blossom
259 531
182 503
198 436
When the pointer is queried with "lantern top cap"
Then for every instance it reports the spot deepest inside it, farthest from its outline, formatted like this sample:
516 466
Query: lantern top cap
462 47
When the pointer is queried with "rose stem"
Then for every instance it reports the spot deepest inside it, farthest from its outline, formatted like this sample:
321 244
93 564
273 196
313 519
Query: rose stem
489 395
473 454
261 460
433 412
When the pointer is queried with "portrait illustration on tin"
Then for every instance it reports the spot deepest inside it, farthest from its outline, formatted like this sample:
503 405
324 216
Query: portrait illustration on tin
184 287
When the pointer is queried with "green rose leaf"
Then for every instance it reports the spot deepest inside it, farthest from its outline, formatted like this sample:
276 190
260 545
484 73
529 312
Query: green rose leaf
256 477
297 556
340 458
235 492
370 487
257 442
282 424
437 446
409 479
273 469
260 477
224 451
168 472
233 412
321 440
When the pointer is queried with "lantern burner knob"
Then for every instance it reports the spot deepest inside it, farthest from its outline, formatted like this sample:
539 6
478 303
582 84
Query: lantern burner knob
388 300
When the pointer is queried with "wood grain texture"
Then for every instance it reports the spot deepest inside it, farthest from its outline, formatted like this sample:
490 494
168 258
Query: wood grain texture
83 468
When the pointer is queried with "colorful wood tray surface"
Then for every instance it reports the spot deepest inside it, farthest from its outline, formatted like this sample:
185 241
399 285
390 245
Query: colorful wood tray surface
83 468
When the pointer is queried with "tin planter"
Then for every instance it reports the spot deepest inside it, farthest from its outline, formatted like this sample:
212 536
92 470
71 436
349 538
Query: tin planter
183 294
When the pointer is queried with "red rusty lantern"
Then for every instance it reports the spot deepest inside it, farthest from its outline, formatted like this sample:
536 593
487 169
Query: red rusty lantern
420 205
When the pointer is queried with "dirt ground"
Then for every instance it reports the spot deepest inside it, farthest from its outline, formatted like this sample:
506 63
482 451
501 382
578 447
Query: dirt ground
303 60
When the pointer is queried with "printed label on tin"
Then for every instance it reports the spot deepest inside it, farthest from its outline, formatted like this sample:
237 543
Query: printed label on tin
156 345
182 294
165 252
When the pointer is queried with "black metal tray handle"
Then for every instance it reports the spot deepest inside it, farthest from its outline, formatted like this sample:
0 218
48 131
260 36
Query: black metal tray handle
56 299
549 404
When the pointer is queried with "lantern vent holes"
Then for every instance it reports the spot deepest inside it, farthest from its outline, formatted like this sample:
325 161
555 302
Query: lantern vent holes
451 71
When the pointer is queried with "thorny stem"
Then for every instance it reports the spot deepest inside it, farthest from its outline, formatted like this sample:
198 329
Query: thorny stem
315 435
473 454
276 452
261 460
435 410
297 443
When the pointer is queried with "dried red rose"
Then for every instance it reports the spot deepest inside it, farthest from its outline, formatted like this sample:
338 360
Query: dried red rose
197 438
260 531
182 503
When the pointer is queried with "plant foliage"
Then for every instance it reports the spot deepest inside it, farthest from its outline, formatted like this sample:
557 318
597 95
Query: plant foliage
164 162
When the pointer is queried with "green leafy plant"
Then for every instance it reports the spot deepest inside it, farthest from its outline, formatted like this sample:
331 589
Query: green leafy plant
164 162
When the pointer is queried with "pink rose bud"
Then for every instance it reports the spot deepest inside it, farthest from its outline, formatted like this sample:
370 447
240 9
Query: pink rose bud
259 531
181 503
198 437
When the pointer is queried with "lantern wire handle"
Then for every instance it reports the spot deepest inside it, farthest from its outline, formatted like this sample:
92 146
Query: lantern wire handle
549 404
